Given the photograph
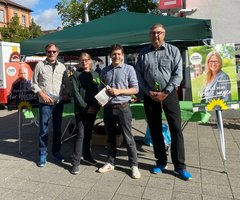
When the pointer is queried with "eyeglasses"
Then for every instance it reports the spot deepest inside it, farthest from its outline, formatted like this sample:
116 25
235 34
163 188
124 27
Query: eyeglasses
51 52
84 60
213 61
157 32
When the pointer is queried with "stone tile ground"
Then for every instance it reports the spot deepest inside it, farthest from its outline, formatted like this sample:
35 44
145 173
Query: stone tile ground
20 178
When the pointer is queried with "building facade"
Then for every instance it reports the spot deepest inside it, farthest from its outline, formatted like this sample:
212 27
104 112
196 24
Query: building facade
224 15
9 9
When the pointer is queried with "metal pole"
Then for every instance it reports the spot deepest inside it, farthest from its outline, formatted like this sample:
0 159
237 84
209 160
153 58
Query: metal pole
184 7
221 135
86 12
86 5
19 131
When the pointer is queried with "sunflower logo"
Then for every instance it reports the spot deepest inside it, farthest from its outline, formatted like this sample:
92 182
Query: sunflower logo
24 104
217 104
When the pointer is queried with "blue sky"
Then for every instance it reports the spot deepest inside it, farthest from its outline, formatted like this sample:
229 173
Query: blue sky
44 12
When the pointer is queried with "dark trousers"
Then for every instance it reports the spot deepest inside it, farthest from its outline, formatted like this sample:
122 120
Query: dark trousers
84 128
46 112
122 117
172 111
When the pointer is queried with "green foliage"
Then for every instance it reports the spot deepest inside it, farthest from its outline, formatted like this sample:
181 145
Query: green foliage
16 33
197 85
143 6
233 78
72 12
35 30
202 50
227 51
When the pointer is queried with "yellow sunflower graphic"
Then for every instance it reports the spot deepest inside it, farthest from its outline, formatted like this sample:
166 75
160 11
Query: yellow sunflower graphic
24 104
217 104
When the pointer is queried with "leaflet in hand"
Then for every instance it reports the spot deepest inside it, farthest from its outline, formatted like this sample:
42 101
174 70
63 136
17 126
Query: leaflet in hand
102 97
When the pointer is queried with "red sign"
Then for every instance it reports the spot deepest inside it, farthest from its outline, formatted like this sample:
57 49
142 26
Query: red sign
170 4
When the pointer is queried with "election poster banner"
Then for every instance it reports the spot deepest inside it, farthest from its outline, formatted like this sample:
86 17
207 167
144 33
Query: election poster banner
213 73
18 82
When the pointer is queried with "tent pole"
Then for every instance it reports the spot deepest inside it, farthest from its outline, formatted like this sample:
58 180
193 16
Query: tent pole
106 59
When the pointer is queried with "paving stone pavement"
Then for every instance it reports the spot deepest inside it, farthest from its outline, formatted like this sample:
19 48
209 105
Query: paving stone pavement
20 178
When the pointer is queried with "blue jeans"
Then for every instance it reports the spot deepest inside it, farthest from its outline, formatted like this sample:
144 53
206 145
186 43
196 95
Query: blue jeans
122 117
46 112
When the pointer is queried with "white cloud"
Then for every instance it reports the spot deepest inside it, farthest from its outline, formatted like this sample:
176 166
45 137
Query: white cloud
28 4
48 19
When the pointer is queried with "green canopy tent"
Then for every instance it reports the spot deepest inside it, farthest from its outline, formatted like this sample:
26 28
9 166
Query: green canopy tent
126 28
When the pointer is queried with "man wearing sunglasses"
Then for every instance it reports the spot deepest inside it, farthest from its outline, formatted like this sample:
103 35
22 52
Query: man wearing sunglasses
49 82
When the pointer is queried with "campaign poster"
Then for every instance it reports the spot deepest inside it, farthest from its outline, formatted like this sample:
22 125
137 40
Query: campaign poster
18 82
237 48
213 73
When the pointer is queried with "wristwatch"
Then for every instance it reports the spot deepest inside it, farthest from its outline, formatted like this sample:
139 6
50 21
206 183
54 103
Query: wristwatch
166 92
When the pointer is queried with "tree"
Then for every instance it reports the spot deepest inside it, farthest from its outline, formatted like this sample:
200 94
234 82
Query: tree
35 30
72 12
15 32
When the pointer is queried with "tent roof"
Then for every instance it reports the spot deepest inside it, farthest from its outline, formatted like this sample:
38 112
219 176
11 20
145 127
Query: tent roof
126 28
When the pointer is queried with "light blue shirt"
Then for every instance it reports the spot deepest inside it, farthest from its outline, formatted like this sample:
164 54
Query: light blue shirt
121 77
163 65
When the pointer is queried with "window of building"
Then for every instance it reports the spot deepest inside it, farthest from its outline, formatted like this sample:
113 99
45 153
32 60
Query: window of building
15 14
23 20
1 16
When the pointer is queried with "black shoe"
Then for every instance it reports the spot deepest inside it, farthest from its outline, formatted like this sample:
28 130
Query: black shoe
58 157
90 161
75 170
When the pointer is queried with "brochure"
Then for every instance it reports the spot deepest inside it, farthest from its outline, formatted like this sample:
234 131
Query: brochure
102 97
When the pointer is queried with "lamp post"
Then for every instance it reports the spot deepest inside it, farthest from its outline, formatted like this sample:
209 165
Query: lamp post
86 5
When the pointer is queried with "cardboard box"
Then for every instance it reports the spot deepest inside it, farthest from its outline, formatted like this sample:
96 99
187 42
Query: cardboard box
99 137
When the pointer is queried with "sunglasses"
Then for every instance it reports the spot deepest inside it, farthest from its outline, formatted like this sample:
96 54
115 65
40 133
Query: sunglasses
51 52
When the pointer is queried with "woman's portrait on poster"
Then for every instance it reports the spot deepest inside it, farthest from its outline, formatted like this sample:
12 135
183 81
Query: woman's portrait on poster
217 83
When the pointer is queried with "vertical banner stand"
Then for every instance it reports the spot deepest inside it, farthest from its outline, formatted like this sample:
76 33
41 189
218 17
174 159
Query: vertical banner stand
19 131
221 135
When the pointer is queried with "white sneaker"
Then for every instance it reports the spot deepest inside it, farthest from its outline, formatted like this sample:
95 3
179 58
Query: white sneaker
135 172
106 168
